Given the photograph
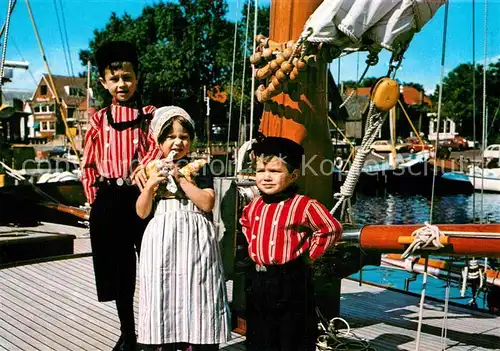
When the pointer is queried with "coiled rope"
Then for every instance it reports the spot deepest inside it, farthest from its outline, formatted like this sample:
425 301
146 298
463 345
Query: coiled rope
333 339
423 237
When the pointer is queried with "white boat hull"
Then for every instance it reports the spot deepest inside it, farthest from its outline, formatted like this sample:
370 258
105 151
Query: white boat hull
485 180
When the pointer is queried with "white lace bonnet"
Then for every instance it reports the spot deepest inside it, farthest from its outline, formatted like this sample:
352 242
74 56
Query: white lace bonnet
163 114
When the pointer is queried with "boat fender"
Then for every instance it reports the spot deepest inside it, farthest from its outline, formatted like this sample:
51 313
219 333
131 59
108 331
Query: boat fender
385 94
339 162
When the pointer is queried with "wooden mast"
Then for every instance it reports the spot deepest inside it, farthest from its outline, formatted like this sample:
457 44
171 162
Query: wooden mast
302 114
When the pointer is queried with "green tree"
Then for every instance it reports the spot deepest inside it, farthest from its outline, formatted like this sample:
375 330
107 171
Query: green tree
183 47
457 99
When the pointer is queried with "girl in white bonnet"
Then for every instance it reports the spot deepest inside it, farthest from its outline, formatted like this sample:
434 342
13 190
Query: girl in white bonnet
182 297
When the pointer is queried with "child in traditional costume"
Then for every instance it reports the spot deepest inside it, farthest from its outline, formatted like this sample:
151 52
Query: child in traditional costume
182 287
117 142
285 232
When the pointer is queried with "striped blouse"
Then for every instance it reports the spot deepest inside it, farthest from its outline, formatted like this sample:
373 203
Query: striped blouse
109 152
279 232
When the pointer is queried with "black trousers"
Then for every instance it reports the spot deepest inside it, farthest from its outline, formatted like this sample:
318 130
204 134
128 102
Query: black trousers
115 235
280 310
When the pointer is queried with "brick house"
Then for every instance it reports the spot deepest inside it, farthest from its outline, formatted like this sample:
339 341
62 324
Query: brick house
47 121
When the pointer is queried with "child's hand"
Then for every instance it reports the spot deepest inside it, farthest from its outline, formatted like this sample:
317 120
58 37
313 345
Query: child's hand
154 181
139 177
175 173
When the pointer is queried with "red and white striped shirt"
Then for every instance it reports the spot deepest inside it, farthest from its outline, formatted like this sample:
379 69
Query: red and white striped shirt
109 153
277 232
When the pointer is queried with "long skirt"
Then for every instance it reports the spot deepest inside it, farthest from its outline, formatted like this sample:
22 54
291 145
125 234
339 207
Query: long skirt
182 287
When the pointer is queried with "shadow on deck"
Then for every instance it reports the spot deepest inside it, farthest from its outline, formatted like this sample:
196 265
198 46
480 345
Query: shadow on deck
53 306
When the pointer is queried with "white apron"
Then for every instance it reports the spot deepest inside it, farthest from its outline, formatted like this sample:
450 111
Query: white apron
182 287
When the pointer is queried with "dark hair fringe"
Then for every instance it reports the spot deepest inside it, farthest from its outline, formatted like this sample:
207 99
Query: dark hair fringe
113 66
167 127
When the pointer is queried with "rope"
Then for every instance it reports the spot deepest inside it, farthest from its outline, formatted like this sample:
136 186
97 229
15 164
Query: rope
474 104
444 328
232 87
423 237
443 56
333 339
5 38
243 77
63 17
66 59
373 124
485 141
421 307
63 112
252 96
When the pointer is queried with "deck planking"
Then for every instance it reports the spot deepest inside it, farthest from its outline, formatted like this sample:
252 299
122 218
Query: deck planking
53 306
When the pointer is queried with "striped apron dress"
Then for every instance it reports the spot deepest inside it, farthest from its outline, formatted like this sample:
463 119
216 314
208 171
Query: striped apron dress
182 295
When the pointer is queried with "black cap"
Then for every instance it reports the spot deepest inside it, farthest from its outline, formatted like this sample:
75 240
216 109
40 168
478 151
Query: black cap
115 51
288 150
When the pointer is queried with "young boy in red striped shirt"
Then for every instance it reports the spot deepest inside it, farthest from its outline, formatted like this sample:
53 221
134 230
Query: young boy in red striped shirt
117 144
285 231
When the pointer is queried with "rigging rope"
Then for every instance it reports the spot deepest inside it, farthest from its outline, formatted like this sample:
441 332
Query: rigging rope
5 39
52 85
374 122
240 142
424 281
443 56
66 37
474 105
484 104
232 89
252 95
422 299
444 327
66 59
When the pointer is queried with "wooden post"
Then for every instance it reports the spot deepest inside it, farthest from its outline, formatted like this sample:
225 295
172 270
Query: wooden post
302 113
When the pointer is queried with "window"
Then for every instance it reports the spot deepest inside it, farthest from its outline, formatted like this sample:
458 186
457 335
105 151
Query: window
75 91
71 114
43 90
46 126
44 108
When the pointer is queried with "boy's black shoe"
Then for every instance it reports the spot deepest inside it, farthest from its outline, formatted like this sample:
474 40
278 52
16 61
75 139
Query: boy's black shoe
126 343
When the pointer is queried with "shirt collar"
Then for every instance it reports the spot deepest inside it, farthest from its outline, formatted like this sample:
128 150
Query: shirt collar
282 195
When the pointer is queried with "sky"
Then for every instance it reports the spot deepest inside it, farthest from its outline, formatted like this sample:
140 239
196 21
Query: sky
422 62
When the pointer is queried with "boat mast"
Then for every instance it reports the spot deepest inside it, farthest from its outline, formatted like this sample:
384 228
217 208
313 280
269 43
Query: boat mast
286 117
305 117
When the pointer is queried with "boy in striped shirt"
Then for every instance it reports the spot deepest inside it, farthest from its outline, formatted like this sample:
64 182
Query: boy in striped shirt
285 232
118 139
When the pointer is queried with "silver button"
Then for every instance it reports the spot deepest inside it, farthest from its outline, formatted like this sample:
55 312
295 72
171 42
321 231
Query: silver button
119 182
135 141
275 222
108 128
254 236
257 218
106 145
271 243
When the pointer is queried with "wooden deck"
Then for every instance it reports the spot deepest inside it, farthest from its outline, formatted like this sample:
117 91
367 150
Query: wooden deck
52 306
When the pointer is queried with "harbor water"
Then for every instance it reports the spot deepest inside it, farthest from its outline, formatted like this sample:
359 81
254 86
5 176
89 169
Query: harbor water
401 209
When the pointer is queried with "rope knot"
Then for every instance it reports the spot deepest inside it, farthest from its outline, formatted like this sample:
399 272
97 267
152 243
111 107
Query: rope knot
423 237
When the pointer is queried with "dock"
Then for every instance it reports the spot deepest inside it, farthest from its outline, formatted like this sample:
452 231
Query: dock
52 305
